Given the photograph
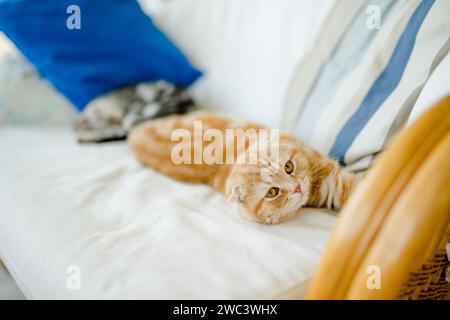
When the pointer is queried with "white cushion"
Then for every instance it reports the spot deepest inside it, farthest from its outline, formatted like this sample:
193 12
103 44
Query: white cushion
248 49
134 233
437 87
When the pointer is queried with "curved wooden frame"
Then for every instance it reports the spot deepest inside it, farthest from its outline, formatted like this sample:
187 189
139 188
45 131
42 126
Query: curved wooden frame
397 218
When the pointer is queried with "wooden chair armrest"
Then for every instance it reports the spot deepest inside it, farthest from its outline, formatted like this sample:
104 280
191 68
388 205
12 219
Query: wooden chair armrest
397 217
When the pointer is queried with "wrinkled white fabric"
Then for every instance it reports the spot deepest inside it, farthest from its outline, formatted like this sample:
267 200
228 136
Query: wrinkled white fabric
133 233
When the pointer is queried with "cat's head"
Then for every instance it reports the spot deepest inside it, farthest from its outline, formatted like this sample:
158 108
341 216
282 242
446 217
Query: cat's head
273 189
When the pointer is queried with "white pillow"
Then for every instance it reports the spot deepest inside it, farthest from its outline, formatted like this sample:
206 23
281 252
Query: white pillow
248 49
437 87
357 89
25 98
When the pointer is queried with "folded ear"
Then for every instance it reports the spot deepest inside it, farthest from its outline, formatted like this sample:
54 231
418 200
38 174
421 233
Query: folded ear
235 194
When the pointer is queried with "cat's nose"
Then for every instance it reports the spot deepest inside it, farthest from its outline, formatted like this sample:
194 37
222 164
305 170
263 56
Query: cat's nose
298 189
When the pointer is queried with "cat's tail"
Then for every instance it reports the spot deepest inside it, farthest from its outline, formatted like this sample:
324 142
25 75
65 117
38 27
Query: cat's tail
153 145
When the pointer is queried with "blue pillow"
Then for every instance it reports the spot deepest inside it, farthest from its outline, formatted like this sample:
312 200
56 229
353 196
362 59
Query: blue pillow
115 44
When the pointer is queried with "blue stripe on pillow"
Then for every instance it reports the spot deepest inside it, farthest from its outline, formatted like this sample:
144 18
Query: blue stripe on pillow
384 85
349 51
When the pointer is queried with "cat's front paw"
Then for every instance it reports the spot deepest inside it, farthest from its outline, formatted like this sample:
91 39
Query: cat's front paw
272 220
276 218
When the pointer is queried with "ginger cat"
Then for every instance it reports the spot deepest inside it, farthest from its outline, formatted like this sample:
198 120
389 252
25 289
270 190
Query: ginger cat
267 191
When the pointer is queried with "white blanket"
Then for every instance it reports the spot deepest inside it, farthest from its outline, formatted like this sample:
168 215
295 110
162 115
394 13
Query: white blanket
69 210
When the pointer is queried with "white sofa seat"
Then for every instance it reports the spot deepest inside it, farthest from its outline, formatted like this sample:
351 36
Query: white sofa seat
133 233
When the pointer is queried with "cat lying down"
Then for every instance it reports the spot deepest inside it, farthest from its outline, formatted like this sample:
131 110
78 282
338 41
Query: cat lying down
267 188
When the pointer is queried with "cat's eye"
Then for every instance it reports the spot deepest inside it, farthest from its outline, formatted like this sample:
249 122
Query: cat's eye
273 192
289 167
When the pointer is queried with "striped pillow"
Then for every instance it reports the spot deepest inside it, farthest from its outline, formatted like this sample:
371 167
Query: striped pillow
357 89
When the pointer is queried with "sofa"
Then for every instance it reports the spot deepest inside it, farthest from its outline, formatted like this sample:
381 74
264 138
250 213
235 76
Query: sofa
89 222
